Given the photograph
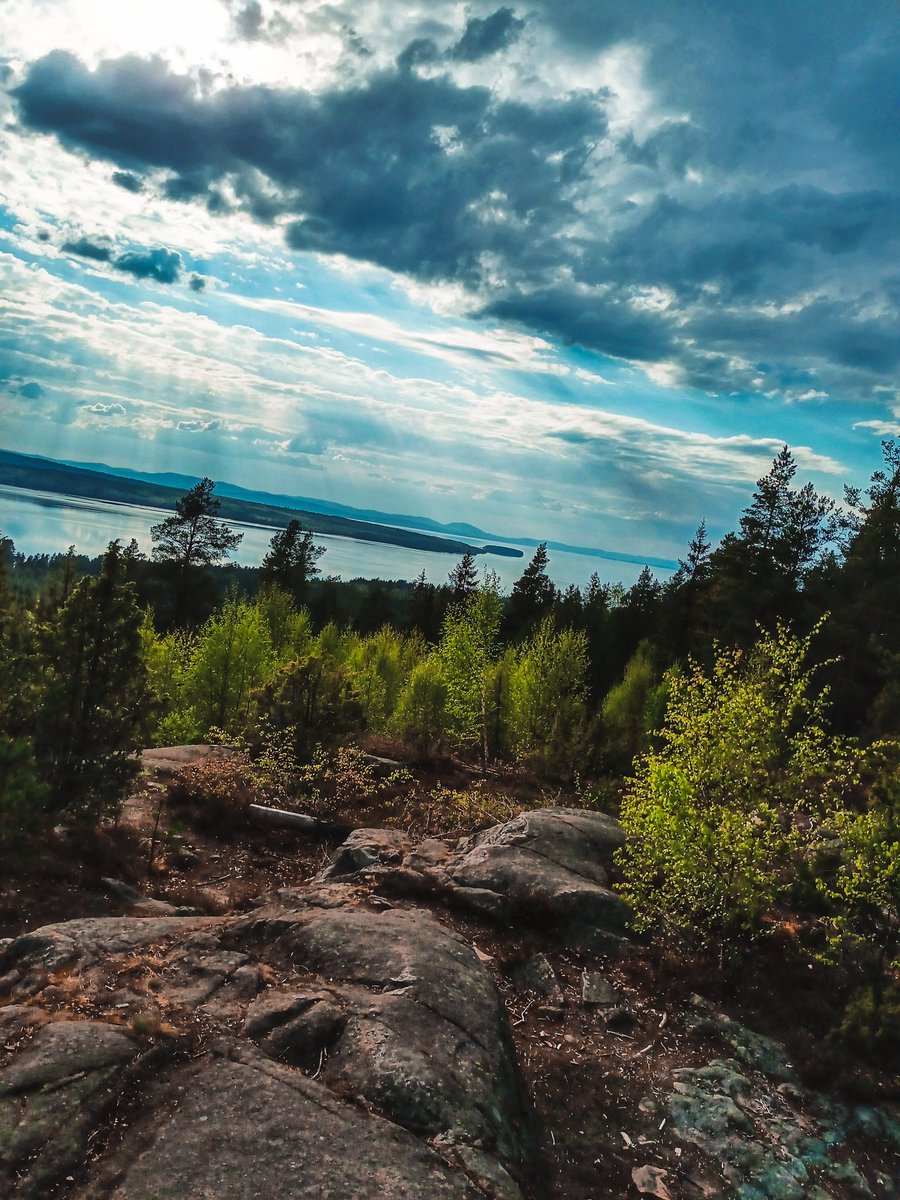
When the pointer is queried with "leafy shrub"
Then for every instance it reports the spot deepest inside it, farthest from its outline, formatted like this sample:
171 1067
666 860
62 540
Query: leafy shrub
710 814
215 794
871 1024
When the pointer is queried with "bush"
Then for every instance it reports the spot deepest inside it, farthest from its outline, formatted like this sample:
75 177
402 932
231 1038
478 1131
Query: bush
871 1024
711 813
22 795
214 794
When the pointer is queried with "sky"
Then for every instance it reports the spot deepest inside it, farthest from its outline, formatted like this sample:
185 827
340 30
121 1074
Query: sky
567 269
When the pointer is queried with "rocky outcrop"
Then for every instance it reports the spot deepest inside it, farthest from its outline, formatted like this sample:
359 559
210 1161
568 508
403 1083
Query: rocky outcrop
425 1021
550 866
341 1047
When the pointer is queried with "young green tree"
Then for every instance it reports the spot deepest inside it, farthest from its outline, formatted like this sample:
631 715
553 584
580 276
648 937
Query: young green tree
709 813
93 695
421 713
467 648
289 628
232 657
292 560
167 661
631 710
548 693
378 666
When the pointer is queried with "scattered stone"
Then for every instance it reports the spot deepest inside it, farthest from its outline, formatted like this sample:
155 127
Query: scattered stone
537 975
651 1181
596 990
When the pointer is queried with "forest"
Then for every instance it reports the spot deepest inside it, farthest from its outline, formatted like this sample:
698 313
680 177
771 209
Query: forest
741 719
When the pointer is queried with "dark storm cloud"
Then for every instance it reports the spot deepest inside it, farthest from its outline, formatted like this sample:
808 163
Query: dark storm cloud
485 36
160 264
31 391
363 168
145 263
85 248
197 283
589 321
759 206
128 181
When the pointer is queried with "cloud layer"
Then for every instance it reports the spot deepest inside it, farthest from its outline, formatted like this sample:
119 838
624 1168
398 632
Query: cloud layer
712 194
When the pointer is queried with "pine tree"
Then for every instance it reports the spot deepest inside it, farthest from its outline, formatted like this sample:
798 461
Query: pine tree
194 537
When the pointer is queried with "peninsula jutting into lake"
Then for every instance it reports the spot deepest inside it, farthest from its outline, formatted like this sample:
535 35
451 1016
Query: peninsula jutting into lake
30 471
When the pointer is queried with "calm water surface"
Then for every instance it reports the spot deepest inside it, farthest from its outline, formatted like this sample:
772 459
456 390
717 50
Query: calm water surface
46 523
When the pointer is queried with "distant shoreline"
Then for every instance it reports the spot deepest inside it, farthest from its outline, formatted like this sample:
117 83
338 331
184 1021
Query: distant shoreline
31 472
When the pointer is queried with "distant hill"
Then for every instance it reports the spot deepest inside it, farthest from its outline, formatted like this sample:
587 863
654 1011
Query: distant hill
458 529
130 487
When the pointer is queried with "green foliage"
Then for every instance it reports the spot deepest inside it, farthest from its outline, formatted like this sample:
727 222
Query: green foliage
22 795
379 665
289 628
709 813
466 651
860 878
230 659
632 710
93 696
421 713
548 689
167 660
312 700
870 1024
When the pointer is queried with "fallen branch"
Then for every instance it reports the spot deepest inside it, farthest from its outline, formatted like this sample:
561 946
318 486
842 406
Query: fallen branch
302 822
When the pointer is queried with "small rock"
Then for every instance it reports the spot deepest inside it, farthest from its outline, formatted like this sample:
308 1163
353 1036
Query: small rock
536 975
651 1181
596 990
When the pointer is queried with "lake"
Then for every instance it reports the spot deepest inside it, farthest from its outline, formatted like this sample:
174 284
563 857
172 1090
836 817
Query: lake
48 523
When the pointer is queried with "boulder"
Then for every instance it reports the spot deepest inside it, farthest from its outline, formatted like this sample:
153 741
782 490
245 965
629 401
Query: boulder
280 1039
549 866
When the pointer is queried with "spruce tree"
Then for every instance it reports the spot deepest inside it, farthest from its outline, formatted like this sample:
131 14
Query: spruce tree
292 559
464 577
532 595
